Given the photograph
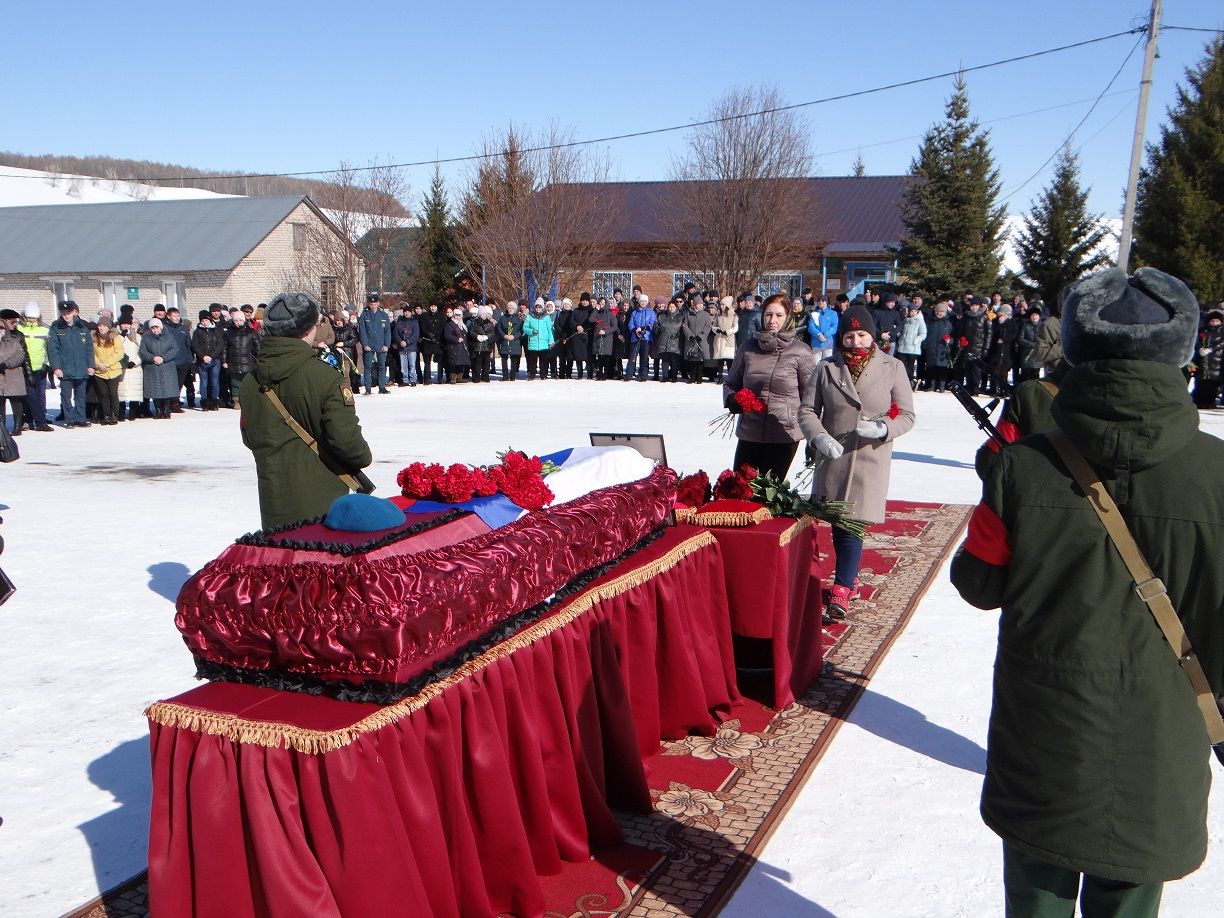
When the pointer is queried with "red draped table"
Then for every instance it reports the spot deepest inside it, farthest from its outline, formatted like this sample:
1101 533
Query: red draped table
454 801
773 593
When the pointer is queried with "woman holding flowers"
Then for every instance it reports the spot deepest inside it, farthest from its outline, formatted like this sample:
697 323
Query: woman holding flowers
773 368
853 407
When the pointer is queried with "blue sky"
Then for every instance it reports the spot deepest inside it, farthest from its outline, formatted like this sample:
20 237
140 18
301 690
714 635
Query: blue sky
283 87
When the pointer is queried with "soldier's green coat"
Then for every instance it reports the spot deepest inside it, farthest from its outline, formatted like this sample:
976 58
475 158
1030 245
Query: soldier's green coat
293 482
1098 759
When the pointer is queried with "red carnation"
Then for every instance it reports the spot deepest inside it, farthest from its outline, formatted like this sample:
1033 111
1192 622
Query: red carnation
457 485
963 341
747 472
947 339
731 486
483 484
416 481
693 490
893 411
748 402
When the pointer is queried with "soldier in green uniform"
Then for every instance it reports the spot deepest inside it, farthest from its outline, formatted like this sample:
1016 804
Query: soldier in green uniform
295 482
1098 765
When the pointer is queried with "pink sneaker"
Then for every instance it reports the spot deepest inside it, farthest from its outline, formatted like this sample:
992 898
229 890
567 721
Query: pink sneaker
839 602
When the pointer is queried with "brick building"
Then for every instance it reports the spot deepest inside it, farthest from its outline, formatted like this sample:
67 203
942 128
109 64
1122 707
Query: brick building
185 253
856 225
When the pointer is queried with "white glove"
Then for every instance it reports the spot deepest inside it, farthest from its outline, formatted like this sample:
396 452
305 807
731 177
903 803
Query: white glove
827 446
1204 351
871 430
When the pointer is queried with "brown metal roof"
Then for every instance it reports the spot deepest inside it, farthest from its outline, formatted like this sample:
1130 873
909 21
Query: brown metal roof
850 213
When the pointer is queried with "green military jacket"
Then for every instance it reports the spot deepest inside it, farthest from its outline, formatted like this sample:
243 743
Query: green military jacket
294 484
1098 759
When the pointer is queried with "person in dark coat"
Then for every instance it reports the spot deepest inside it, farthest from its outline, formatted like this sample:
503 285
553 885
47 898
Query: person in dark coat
749 319
1208 359
602 330
242 350
160 354
432 322
454 339
208 348
405 341
1004 335
668 342
180 331
1097 766
888 319
510 341
295 482
937 348
481 332
374 333
70 355
1026 340
696 342
973 340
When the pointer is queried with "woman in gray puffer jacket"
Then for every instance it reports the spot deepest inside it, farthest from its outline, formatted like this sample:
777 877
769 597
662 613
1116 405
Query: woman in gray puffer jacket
775 367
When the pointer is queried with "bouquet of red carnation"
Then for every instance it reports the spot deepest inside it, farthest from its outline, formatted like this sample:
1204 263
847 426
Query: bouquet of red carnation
419 480
747 402
736 484
521 478
693 490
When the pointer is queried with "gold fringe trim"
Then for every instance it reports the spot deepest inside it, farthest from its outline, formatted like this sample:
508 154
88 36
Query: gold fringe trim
727 518
800 524
318 742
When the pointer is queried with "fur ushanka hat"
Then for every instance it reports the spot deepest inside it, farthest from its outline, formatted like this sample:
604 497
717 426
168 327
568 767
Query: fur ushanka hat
1147 316
290 315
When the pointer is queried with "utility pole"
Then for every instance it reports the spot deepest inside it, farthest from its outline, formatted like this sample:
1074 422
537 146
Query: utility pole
1132 180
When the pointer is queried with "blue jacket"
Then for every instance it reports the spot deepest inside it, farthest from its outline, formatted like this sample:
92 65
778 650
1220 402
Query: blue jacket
644 318
70 348
406 331
538 332
823 322
183 356
374 328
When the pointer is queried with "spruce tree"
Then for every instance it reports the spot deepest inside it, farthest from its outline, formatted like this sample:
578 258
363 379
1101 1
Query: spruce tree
1060 241
953 237
858 168
437 246
1179 211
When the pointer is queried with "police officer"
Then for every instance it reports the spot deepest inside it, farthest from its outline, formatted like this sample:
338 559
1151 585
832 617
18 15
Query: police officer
295 483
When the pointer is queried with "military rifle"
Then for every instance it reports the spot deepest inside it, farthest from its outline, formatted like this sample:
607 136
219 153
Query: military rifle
981 415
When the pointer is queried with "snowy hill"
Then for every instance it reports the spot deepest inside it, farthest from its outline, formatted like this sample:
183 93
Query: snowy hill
26 187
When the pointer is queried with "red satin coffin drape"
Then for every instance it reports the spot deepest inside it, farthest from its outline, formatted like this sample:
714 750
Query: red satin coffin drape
457 807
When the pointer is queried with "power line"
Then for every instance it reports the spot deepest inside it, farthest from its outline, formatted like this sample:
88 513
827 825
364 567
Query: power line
1173 28
1087 115
653 131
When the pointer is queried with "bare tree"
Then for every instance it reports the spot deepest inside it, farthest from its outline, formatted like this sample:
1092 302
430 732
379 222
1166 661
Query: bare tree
360 201
532 209
745 207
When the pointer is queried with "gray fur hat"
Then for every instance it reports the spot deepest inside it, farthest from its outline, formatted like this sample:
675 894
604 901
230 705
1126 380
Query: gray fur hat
1147 316
290 315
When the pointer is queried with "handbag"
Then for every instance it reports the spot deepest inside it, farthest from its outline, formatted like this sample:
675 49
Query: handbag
8 446
1147 585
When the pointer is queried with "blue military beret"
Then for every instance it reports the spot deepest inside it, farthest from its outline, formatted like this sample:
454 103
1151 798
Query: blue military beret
363 513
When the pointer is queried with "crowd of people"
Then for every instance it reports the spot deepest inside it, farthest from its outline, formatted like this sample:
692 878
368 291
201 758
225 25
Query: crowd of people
112 369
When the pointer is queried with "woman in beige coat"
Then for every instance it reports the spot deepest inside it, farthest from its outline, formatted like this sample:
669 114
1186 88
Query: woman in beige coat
775 367
848 418
724 331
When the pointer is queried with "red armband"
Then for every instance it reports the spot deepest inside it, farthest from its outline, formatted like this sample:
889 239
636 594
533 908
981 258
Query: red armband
1008 431
987 540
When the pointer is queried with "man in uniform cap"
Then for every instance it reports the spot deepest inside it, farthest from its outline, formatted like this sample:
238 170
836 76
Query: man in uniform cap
70 354
295 483
1097 763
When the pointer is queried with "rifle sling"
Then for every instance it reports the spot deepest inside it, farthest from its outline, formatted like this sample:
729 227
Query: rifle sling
1147 585
349 481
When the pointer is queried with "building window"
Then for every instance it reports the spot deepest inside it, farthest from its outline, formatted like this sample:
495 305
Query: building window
607 281
63 290
299 237
329 292
704 281
174 293
873 272
113 293
790 284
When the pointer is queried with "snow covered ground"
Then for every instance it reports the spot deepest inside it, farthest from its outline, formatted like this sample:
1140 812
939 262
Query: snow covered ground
101 527
26 187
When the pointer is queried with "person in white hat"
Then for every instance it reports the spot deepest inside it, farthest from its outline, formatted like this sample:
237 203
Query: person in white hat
34 332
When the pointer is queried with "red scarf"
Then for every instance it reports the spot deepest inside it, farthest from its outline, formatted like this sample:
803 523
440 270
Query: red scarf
856 359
